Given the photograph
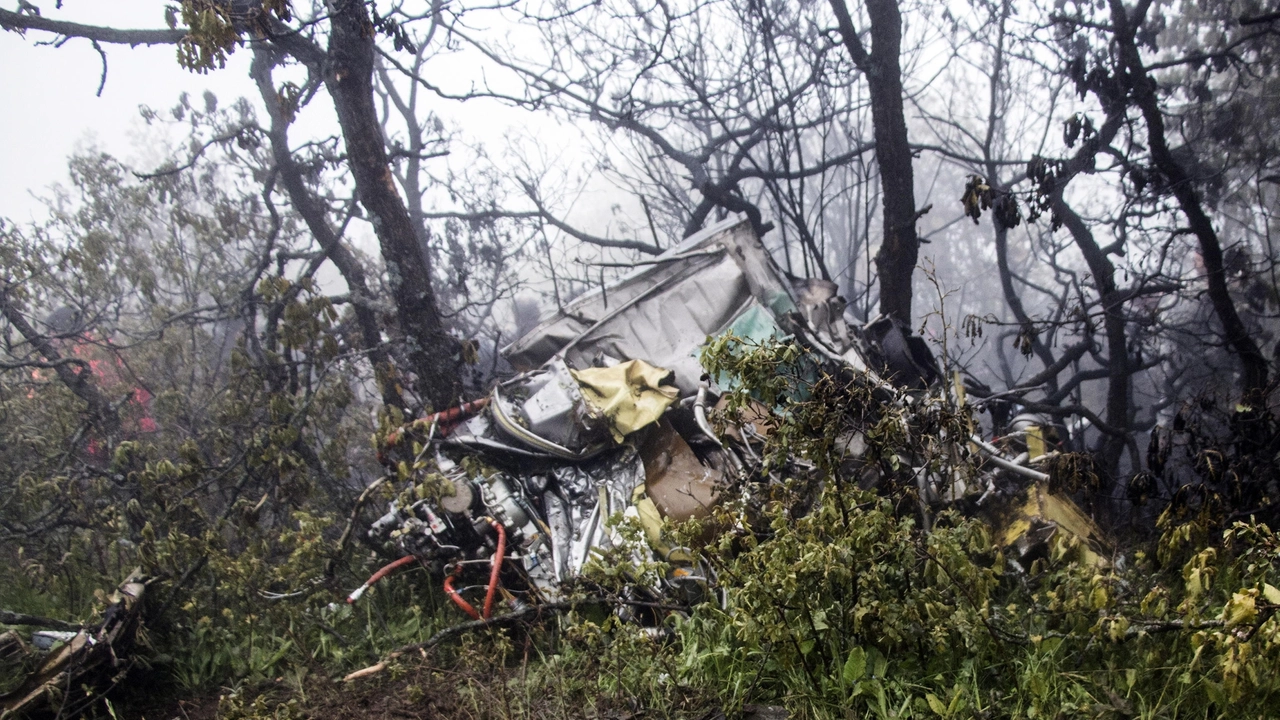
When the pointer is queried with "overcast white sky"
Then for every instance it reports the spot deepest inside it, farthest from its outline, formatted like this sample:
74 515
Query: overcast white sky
49 103
50 107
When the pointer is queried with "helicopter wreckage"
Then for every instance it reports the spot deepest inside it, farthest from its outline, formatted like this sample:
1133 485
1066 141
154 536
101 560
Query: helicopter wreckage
609 415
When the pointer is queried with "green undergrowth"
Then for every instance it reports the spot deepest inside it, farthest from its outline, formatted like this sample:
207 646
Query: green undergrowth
833 601
845 606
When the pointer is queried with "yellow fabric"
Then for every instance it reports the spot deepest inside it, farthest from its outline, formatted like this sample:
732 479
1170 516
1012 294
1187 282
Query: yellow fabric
630 394
1035 442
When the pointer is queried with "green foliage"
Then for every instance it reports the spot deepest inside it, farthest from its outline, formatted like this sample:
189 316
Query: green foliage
214 28
241 443
850 608
231 481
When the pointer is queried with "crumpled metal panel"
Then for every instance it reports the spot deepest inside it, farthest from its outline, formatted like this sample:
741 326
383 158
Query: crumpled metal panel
588 495
822 308
552 408
667 326
594 375
664 312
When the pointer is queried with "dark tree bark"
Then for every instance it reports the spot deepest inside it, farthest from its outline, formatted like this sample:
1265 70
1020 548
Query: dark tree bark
896 260
315 215
1143 93
997 83
433 352
1015 302
1118 372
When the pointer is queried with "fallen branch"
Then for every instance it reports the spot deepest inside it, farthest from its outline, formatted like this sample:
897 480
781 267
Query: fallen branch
366 672
84 660
351 523
8 617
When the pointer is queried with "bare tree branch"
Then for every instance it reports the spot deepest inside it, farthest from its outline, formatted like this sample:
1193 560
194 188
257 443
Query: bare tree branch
10 20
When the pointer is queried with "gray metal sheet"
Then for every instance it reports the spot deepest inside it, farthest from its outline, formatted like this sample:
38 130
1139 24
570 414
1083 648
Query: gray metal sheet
663 312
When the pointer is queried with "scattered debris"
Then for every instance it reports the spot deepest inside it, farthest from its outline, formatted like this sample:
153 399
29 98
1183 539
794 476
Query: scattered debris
517 492
609 417
1037 517
63 663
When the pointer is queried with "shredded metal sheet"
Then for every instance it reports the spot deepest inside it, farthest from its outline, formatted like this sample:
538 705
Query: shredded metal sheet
664 312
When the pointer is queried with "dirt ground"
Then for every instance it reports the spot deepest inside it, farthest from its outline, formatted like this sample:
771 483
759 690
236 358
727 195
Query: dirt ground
417 692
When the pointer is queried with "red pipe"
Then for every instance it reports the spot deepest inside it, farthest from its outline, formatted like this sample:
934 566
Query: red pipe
498 556
447 419
497 567
457 599
385 571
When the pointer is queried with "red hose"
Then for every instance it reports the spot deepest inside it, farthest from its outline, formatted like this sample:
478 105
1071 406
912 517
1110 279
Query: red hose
492 590
447 419
385 571
457 599
497 567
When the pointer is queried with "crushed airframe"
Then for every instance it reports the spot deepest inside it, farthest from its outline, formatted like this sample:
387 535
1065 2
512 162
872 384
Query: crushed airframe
608 414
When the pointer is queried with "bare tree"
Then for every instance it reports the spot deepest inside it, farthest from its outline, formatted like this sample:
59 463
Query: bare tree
900 247
346 66
709 138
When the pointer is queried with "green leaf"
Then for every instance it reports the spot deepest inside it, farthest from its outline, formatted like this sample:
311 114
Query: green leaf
1241 609
820 620
855 666
878 663
1038 687
935 704
1271 593
1216 694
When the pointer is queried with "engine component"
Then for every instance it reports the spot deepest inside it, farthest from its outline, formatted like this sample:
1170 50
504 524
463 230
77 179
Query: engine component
462 499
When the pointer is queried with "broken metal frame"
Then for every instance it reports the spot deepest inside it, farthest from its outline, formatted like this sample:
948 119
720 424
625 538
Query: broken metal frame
555 493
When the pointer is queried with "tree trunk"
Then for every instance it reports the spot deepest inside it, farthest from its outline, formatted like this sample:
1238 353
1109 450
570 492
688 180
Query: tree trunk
899 250
433 352
1143 89
1014 302
1118 373
315 215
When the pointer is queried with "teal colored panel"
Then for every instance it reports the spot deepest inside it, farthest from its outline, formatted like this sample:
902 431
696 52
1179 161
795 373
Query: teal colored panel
756 324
